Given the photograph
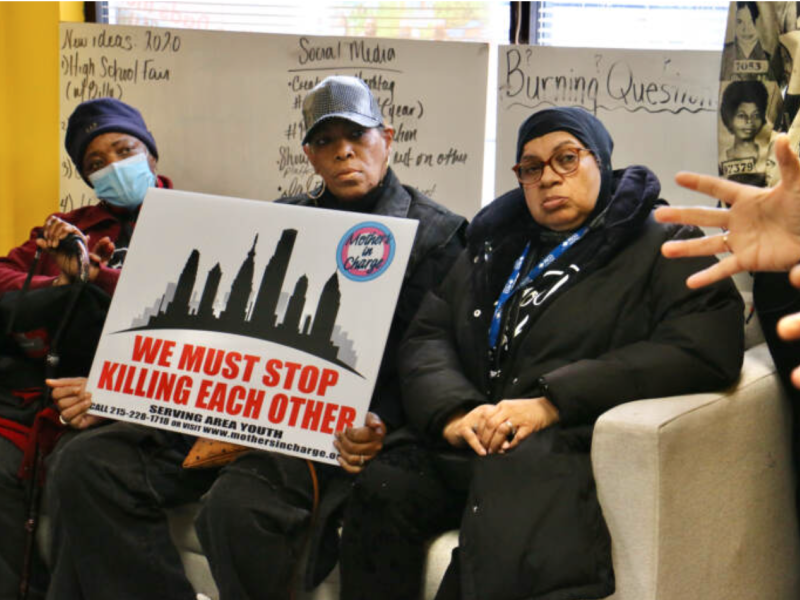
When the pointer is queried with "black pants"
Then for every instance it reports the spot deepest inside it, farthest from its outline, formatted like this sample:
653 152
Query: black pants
107 494
530 524
13 513
254 524
397 504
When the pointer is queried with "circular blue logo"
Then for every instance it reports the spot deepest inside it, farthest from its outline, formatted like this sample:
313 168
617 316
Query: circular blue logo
365 251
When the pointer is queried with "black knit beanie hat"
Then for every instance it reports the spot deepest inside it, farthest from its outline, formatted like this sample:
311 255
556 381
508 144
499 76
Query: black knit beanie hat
95 117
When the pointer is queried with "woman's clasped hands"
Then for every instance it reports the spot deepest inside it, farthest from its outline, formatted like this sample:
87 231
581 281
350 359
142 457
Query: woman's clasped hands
497 428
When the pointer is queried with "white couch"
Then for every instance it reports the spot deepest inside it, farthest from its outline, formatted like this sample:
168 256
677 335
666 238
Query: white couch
698 492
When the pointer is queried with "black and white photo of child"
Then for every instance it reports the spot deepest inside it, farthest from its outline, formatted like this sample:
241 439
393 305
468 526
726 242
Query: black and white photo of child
745 57
743 111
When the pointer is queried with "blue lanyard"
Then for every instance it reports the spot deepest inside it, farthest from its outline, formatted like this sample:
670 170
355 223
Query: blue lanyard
512 286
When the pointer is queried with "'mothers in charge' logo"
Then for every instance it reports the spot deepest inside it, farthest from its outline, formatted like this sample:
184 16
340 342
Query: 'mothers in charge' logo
365 251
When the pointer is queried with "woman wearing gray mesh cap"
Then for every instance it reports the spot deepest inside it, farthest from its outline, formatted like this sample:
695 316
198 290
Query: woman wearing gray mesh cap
267 498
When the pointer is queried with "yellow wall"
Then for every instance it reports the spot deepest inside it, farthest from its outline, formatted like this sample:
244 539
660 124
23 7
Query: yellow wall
6 209
29 138
71 11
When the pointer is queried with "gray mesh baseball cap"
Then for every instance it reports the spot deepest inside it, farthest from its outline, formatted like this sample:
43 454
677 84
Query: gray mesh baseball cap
343 98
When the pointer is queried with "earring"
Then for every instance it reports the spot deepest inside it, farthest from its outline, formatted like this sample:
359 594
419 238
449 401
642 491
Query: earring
310 190
388 161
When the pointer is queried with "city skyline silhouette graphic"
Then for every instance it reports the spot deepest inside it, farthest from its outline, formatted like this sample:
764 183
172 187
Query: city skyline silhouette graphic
259 318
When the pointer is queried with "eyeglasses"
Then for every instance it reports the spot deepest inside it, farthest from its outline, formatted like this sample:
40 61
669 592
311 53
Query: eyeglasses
564 162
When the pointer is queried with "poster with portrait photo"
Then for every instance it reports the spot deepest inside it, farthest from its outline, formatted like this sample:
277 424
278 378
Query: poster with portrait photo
745 130
751 49
775 27
255 323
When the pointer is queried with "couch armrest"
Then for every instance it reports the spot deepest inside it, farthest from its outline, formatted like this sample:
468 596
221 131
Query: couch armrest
698 492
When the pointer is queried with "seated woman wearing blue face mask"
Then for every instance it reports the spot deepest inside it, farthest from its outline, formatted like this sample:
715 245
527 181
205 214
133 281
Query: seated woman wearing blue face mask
115 154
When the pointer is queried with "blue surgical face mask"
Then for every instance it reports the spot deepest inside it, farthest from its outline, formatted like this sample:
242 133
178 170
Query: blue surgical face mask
124 183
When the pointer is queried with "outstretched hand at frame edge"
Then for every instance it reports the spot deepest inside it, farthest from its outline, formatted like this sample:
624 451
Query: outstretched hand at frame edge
763 224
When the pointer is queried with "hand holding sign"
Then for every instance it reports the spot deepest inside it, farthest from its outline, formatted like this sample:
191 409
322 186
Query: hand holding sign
73 402
359 445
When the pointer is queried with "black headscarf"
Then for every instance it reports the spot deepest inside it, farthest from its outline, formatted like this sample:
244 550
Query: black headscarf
584 126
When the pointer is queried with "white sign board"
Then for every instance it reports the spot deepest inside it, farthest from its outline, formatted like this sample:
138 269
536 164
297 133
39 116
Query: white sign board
225 108
659 106
256 323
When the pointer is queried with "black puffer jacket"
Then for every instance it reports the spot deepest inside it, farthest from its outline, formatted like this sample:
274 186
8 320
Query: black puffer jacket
626 328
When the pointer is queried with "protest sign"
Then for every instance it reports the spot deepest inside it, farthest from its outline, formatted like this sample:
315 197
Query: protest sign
256 323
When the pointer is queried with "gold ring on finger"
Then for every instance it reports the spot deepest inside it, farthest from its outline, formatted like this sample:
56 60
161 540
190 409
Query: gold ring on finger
725 242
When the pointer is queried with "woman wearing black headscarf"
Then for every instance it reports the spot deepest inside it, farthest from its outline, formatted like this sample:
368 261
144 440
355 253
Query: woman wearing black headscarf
560 308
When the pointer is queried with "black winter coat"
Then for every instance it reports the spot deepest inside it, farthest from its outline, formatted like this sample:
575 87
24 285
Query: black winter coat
623 327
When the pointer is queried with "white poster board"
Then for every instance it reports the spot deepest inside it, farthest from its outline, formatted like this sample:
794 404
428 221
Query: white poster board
225 107
257 323
659 106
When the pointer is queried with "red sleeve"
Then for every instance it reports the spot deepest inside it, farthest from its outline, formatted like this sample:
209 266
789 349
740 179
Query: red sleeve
107 280
14 267
94 221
